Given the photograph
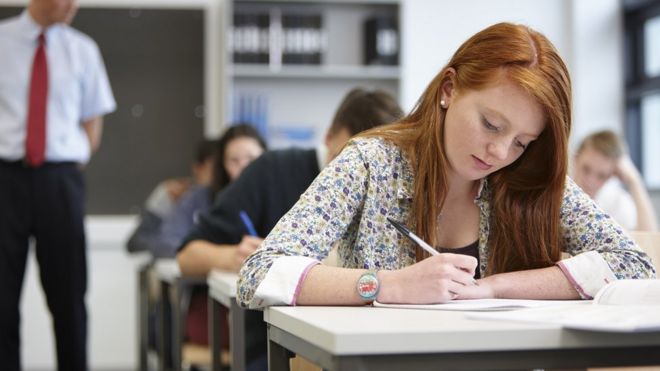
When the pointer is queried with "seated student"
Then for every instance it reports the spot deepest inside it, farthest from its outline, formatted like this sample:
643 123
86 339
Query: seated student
160 203
600 166
165 223
218 162
237 148
478 167
265 191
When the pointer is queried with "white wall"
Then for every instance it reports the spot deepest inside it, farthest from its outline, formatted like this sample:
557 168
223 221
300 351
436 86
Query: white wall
597 67
586 33
433 30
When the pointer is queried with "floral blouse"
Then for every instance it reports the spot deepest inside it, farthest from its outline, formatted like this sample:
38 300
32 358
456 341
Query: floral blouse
347 207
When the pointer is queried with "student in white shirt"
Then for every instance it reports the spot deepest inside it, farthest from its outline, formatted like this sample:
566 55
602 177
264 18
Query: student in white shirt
602 169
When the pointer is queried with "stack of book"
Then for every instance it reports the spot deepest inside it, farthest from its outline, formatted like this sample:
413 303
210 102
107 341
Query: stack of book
303 38
381 40
275 37
250 38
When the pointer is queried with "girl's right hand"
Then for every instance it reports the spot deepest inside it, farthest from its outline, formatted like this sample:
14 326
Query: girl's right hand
437 279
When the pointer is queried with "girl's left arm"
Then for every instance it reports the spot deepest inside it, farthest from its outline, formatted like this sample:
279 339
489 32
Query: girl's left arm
600 252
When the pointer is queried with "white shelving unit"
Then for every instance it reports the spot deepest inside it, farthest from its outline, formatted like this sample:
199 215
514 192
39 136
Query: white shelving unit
317 72
299 100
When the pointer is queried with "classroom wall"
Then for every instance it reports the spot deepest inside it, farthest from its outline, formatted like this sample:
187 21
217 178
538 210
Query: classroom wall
587 34
582 30
433 30
597 67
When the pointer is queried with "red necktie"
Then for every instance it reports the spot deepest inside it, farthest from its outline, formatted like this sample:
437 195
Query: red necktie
35 143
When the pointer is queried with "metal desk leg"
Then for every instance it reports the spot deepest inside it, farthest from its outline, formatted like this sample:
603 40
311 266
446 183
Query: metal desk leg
143 316
237 336
165 319
278 356
216 328
178 320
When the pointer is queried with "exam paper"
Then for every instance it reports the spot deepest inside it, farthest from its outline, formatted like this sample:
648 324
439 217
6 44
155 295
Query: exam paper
485 305
593 317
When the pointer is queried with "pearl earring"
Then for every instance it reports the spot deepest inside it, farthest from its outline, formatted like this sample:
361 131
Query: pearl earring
443 104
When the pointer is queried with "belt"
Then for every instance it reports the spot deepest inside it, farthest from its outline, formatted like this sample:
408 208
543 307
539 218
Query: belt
23 163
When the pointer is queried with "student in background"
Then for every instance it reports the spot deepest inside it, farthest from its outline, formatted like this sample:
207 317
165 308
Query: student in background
166 221
162 201
54 92
265 191
478 169
237 148
600 166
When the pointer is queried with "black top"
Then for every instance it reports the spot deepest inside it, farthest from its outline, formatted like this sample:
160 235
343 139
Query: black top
471 250
266 190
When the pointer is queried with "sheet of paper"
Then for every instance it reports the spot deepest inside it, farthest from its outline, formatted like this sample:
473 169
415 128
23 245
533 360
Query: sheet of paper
594 317
638 292
485 304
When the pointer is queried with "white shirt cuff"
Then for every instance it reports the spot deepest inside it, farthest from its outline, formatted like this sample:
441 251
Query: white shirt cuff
282 282
587 272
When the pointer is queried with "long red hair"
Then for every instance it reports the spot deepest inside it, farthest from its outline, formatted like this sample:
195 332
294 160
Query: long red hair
525 229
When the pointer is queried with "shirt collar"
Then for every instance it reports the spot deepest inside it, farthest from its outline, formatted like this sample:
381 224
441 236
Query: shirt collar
321 156
483 189
31 29
405 178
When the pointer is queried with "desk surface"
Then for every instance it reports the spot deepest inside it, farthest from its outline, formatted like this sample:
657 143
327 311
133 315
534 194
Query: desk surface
167 270
222 286
369 330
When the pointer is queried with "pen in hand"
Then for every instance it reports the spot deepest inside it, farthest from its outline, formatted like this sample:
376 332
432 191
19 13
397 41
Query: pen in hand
248 223
413 237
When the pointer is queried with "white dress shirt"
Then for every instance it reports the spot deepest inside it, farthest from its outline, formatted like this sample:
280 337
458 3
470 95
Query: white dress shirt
78 88
617 203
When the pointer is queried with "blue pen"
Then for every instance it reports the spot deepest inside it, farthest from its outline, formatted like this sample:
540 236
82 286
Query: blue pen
248 223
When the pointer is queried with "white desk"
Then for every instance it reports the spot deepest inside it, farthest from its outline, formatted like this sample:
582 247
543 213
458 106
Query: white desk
367 338
167 270
222 291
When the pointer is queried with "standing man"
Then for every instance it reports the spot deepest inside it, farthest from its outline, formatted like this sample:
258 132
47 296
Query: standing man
54 91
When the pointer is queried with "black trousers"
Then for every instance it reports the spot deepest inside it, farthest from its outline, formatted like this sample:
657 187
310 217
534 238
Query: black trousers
45 204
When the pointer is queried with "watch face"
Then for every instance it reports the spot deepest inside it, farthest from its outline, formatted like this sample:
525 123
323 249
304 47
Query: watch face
367 286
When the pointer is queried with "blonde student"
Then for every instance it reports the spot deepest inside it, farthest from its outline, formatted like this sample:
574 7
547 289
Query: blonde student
478 170
601 167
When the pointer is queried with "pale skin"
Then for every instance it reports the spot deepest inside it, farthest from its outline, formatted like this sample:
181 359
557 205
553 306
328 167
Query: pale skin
199 257
48 12
94 130
485 131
